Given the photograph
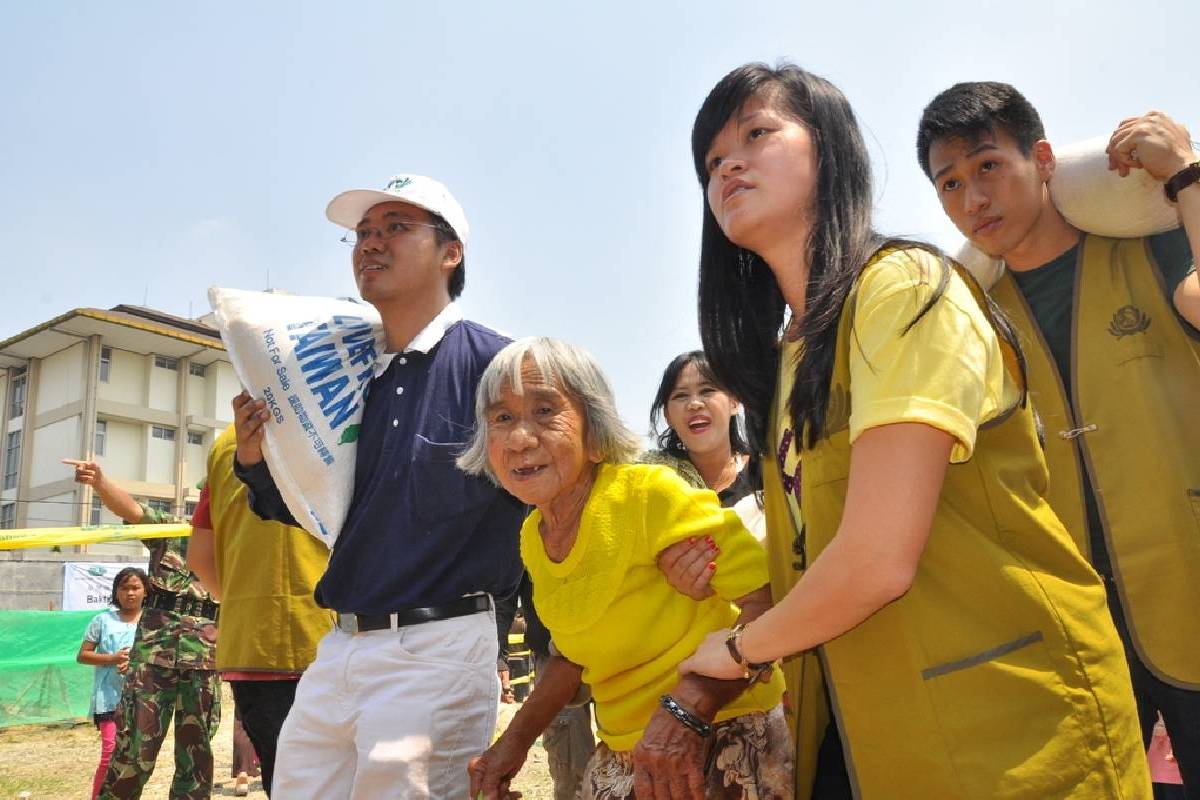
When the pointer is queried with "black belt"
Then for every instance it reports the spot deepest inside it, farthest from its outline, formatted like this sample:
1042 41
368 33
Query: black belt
183 604
360 623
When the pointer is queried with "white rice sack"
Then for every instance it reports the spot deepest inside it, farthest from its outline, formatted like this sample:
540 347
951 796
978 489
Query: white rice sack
311 359
1098 200
1094 199
987 270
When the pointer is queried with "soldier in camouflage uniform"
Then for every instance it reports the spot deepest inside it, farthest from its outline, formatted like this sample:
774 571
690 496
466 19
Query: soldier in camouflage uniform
172 664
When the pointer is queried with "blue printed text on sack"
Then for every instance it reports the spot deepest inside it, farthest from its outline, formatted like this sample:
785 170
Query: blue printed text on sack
317 350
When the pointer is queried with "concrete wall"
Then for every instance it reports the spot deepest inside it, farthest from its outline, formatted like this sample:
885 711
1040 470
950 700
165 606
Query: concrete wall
197 391
61 379
125 455
163 387
127 379
197 460
55 511
53 442
32 580
160 456
225 387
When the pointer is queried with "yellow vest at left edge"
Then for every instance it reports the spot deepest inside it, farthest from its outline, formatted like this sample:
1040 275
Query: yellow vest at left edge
999 673
1135 423
269 618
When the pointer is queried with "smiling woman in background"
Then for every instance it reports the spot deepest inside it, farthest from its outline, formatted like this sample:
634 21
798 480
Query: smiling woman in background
703 440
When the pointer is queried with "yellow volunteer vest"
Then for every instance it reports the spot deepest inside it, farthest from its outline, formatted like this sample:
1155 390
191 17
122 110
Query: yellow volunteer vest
999 674
801 672
269 619
1136 384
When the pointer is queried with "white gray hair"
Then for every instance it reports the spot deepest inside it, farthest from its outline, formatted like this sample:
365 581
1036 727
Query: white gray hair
577 374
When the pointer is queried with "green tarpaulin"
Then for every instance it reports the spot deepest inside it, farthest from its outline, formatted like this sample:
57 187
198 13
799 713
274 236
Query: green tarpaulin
39 679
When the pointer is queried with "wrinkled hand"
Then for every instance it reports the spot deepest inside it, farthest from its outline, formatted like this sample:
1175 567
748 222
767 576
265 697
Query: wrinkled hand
668 762
712 658
507 695
689 566
1153 142
493 771
86 472
249 420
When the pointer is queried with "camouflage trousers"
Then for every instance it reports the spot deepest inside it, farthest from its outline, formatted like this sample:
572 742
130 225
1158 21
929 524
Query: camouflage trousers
152 695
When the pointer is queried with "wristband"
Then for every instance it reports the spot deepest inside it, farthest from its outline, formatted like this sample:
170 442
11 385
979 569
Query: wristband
750 671
689 720
1181 180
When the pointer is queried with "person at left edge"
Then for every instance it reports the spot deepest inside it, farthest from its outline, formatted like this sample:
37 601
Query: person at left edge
404 690
172 663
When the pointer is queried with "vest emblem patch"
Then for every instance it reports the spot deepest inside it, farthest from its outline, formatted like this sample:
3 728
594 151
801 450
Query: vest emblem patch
1128 320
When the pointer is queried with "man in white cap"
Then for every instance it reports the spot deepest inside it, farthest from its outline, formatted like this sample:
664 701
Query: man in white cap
403 692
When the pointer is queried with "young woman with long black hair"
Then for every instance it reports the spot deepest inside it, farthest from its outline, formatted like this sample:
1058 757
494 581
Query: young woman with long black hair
964 646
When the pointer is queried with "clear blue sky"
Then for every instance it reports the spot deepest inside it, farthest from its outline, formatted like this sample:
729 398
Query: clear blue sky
152 149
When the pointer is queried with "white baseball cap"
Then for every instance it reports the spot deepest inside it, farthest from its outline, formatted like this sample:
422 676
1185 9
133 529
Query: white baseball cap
348 208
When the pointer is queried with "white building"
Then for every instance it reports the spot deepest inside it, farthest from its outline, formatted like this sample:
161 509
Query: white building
142 391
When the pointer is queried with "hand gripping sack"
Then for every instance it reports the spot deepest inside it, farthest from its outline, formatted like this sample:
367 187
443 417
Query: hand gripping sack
1094 199
312 359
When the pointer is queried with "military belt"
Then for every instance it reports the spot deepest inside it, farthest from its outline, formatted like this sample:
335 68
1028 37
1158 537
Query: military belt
183 604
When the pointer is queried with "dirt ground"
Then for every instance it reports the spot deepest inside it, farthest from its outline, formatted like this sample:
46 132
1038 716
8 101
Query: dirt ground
58 762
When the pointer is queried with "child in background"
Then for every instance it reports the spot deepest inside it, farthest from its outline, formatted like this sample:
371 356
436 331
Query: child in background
106 646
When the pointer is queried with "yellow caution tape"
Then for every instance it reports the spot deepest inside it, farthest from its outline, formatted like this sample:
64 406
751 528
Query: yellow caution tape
22 538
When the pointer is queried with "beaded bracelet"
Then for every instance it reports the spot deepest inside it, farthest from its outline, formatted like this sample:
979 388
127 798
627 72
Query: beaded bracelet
689 720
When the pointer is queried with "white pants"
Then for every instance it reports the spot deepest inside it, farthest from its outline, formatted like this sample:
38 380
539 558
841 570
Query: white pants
391 714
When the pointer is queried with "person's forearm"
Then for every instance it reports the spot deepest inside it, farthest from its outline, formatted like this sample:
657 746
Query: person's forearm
94 659
1188 205
202 560
705 696
839 590
559 681
118 501
506 612
262 494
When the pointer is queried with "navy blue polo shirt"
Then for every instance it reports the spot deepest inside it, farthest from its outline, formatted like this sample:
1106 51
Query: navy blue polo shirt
419 532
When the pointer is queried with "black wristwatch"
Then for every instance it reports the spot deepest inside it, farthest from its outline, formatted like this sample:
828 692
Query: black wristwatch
1181 180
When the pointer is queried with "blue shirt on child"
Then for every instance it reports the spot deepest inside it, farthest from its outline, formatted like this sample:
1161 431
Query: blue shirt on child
109 633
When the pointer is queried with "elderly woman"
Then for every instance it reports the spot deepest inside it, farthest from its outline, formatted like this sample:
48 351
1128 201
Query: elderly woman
549 433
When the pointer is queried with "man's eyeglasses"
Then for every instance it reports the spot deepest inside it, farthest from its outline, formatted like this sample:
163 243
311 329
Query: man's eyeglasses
394 228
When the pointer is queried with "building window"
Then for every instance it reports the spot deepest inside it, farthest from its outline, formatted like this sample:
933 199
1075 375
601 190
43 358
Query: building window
160 432
190 508
197 369
16 395
105 363
156 504
101 437
8 515
195 438
97 510
12 459
166 362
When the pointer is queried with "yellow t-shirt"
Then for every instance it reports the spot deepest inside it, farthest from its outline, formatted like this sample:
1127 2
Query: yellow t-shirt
609 608
947 371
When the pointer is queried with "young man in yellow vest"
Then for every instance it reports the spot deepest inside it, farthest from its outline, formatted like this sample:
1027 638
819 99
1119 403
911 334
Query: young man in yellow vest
264 573
1111 329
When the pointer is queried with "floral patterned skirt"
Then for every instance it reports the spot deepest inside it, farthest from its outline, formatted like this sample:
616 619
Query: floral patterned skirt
749 758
